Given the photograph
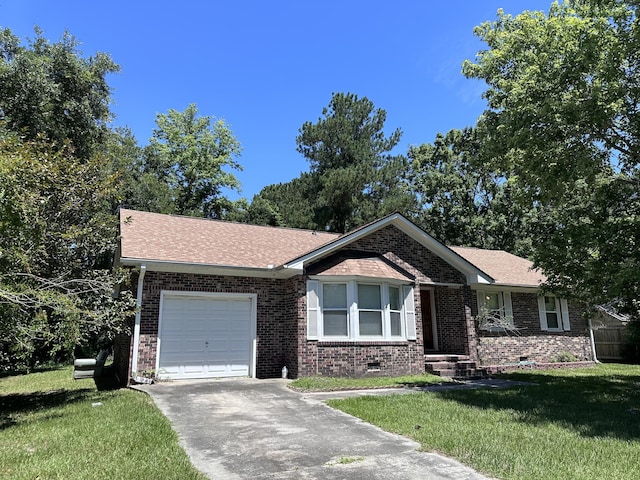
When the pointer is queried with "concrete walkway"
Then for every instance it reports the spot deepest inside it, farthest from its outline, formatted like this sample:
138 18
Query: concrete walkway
260 429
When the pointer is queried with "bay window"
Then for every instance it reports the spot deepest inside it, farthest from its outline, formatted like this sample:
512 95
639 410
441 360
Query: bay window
352 310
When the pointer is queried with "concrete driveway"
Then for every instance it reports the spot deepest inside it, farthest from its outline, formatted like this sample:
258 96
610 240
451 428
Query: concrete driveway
260 429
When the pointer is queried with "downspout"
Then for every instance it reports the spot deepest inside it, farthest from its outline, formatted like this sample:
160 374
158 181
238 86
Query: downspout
136 327
593 342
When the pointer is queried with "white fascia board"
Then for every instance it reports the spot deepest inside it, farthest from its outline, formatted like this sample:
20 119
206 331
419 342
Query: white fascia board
442 284
207 269
499 287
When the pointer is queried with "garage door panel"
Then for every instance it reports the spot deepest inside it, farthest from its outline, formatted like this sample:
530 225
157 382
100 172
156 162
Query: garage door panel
205 336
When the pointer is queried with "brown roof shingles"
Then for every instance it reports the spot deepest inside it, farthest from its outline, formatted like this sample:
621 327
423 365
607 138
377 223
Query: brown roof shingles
178 239
172 238
365 267
504 267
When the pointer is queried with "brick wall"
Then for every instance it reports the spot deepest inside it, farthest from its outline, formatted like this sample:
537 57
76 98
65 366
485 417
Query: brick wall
360 359
391 358
405 252
273 314
453 316
530 342
295 290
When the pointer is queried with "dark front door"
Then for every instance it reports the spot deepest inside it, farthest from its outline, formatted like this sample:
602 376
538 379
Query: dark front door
427 320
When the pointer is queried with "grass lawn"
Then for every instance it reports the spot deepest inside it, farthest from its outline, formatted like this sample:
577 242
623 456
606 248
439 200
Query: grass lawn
52 427
312 384
574 424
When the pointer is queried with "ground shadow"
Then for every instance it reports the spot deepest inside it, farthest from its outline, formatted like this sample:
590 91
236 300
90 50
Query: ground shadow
13 404
108 380
593 406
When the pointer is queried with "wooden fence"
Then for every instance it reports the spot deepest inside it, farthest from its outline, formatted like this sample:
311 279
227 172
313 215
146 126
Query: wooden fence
609 341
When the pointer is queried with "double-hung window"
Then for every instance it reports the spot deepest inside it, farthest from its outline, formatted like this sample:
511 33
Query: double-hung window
334 310
369 310
353 310
554 314
495 312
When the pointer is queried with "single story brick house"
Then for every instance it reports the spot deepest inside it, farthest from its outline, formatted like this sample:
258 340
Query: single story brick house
219 299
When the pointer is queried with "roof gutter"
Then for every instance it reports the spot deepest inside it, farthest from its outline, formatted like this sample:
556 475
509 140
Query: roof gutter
136 328
271 271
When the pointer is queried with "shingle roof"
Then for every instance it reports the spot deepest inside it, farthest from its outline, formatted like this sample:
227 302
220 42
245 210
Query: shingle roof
365 267
504 267
196 241
173 238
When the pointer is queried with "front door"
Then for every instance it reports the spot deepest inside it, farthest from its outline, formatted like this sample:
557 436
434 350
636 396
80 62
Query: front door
427 320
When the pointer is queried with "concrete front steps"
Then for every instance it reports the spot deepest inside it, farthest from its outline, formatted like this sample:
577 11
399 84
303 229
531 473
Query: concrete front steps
453 366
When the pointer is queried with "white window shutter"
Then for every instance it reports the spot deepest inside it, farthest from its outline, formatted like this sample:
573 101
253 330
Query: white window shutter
508 308
564 308
410 312
313 309
543 314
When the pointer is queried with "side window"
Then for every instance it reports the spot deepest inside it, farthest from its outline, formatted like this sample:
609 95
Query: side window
552 312
395 312
495 312
492 303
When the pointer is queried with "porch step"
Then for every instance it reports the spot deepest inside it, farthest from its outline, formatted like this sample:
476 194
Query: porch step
453 366
441 357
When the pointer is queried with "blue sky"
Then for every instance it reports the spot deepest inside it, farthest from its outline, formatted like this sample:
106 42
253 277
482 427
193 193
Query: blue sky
266 67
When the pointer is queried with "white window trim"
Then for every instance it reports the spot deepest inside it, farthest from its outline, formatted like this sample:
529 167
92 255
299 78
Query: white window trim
316 332
505 308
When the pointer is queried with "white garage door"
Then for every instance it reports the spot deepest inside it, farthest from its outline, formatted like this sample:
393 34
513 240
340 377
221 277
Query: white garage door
204 336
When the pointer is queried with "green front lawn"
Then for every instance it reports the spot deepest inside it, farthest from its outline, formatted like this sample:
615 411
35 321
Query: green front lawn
574 424
324 384
52 427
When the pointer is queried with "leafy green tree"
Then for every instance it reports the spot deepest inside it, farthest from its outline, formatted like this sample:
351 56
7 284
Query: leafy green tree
563 95
142 185
287 204
355 178
464 203
259 212
50 91
58 191
56 237
191 155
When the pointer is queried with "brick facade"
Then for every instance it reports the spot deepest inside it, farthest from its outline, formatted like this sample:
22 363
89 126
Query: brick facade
530 343
282 323
273 305
393 358
453 320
